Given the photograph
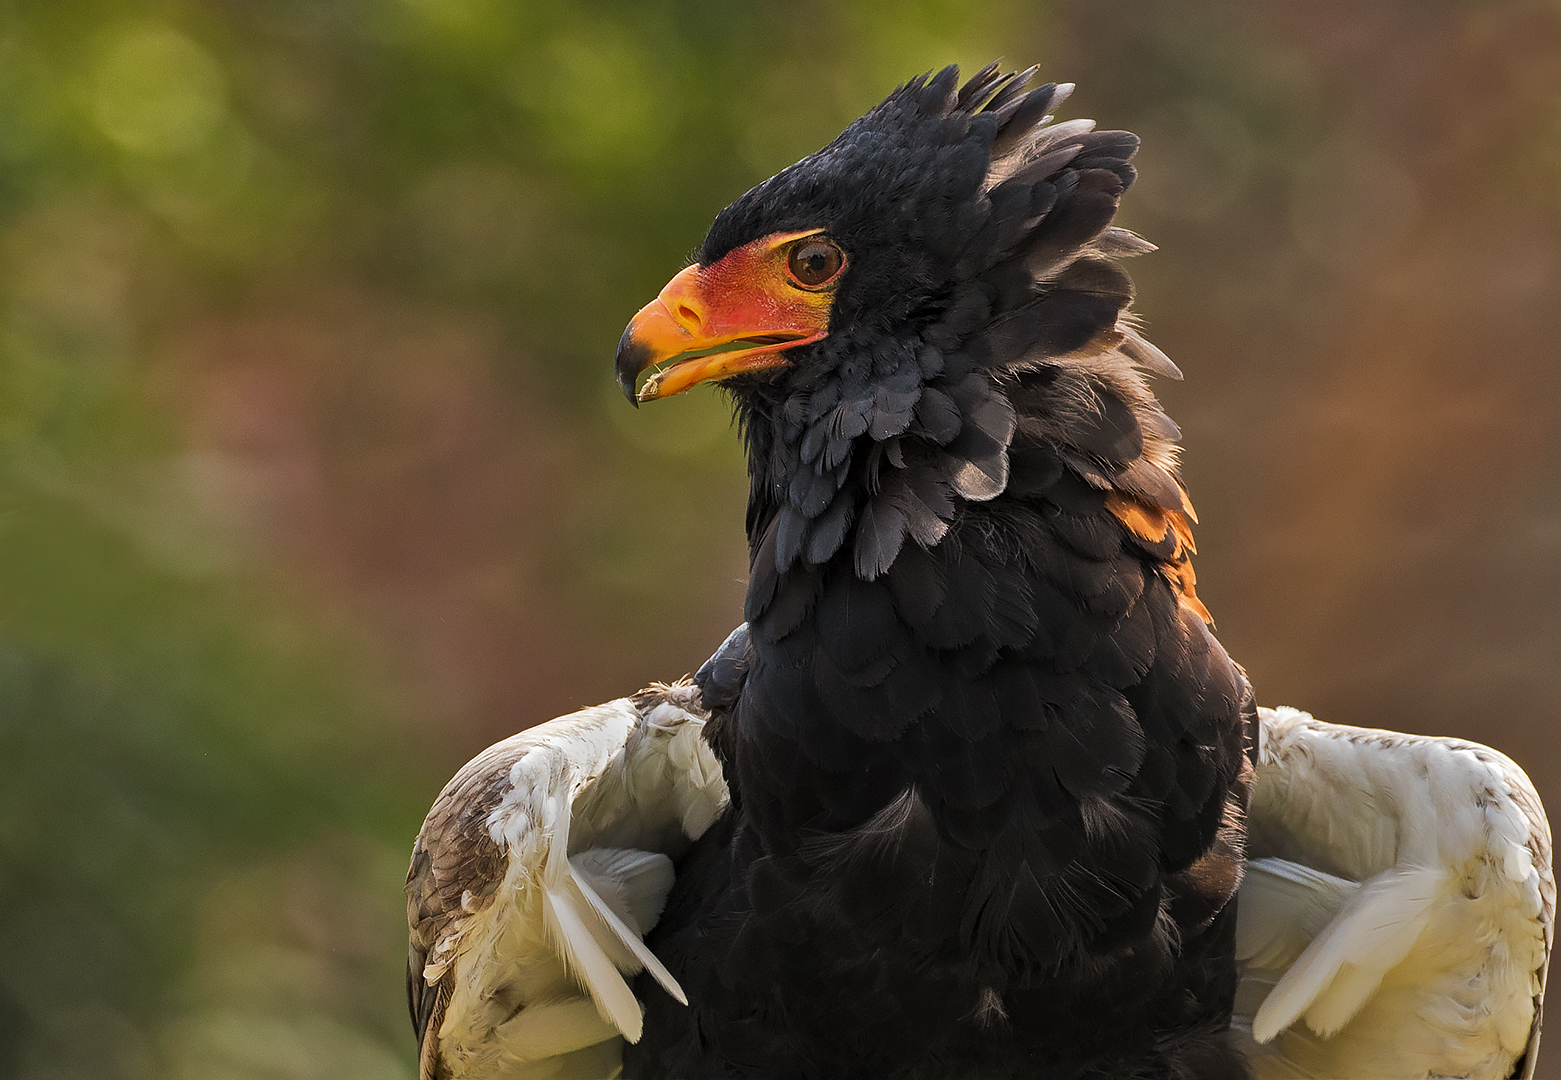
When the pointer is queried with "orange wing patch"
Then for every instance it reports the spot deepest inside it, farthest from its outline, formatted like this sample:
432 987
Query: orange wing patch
1167 535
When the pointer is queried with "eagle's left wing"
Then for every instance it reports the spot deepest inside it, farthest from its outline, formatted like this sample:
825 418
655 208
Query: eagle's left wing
1398 907
541 866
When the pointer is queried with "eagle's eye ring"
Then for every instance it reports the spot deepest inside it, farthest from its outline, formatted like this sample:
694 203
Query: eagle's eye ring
814 262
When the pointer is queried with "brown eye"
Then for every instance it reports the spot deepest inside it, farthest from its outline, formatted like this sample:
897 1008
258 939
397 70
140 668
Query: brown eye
814 262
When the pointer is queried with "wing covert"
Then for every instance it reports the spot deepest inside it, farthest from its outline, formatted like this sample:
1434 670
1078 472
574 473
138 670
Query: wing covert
1399 906
537 873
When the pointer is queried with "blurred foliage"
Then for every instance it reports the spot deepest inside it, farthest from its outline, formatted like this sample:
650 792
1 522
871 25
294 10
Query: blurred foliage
207 785
314 478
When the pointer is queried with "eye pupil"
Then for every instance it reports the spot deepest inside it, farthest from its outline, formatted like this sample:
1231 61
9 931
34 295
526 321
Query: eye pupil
815 262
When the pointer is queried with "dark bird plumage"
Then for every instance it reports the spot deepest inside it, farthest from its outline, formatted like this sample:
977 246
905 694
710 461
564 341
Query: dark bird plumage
987 762
968 795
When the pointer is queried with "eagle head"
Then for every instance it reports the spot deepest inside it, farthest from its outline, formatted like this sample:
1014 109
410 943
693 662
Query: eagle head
922 315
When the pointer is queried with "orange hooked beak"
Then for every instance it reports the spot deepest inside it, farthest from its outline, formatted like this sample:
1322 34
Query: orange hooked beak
735 316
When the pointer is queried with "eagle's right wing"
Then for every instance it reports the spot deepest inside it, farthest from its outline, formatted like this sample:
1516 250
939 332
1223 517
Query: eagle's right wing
538 871
1398 908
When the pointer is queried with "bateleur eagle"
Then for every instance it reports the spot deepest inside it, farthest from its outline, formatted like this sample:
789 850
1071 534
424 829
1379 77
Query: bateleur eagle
970 793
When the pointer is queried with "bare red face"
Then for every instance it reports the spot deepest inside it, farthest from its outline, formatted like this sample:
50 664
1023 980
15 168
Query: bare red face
739 314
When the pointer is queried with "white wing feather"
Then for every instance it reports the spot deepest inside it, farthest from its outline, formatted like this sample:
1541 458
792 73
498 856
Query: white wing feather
639 957
556 843
1397 913
1395 920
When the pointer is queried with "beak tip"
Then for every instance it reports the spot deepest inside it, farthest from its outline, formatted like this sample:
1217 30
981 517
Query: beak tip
633 357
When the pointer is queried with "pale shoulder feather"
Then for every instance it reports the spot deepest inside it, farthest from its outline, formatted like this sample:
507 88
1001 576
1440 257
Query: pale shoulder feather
540 867
1399 905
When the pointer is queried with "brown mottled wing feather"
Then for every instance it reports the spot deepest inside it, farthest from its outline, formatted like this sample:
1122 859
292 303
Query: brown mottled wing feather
425 924
537 871
1540 846
456 867
1530 1060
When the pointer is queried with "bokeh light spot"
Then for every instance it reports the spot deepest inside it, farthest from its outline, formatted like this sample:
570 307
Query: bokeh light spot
156 92
599 100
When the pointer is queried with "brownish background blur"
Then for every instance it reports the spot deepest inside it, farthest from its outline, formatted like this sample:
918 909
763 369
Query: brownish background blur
314 479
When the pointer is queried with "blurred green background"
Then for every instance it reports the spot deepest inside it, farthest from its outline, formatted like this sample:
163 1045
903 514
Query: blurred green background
314 478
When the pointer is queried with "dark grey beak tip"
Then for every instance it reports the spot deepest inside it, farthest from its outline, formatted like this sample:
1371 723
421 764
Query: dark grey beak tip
632 359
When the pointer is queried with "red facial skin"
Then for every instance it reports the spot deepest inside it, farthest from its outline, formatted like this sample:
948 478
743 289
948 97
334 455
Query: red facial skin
747 294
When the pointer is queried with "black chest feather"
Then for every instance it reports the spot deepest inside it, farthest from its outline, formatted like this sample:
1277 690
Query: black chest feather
978 799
